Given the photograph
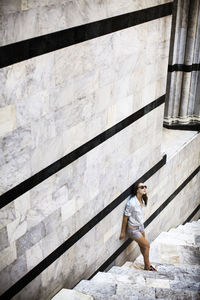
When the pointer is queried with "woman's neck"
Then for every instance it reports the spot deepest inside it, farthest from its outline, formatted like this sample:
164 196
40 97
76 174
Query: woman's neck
139 197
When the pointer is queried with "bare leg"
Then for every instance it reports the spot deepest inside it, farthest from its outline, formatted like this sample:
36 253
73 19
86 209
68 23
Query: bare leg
144 248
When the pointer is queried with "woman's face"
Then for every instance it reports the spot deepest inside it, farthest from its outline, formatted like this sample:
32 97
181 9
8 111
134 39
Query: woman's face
142 189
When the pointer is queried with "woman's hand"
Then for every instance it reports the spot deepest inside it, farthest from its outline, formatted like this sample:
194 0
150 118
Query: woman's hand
122 236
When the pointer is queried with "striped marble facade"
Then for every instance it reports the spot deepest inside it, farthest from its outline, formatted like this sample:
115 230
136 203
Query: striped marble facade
83 86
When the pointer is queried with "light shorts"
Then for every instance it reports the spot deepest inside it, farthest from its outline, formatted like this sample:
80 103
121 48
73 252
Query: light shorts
135 233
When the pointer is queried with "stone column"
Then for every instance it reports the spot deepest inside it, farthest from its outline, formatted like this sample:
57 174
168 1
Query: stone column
183 97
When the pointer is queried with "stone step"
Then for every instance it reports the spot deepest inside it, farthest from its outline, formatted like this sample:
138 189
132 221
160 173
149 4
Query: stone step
137 279
141 274
167 268
66 294
160 294
91 288
176 256
177 294
115 278
162 251
167 276
185 274
178 238
193 227
123 291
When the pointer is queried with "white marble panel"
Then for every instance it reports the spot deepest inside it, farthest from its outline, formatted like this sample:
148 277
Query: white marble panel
132 5
43 129
22 205
16 229
52 274
34 255
114 231
15 172
7 215
7 119
61 95
42 204
23 80
8 255
51 242
13 83
73 61
68 210
53 150
9 6
86 84
33 108
15 144
13 26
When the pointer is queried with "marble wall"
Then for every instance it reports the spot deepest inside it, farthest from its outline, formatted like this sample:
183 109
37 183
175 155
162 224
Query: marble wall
42 17
162 185
52 104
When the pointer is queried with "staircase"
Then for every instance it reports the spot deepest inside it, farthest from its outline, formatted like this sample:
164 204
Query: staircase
176 256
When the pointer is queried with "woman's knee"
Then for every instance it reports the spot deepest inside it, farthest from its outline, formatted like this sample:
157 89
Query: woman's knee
148 245
145 245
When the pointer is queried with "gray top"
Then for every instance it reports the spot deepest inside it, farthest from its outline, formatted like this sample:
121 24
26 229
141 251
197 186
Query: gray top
134 211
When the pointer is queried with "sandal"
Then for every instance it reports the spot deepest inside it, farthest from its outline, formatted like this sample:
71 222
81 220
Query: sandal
152 269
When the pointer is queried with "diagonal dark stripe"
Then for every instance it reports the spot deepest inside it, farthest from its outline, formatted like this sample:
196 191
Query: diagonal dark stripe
176 192
178 126
183 68
20 51
34 180
192 214
20 284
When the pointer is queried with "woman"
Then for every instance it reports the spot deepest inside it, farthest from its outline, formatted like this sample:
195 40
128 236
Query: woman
133 221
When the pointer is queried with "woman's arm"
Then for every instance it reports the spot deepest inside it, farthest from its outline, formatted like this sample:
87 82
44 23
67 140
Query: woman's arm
124 225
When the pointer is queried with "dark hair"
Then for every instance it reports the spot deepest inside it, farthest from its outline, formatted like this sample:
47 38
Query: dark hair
134 192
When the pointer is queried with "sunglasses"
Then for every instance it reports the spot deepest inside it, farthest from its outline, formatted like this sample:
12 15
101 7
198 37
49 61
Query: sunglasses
142 187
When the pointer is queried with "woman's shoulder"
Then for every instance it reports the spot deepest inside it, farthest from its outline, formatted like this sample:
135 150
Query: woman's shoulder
132 199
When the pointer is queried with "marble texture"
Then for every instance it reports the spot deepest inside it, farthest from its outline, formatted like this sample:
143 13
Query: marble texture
73 295
62 107
12 273
174 247
10 6
8 256
7 119
60 101
101 288
49 16
7 215
171 281
3 239
30 238
173 141
63 191
111 243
